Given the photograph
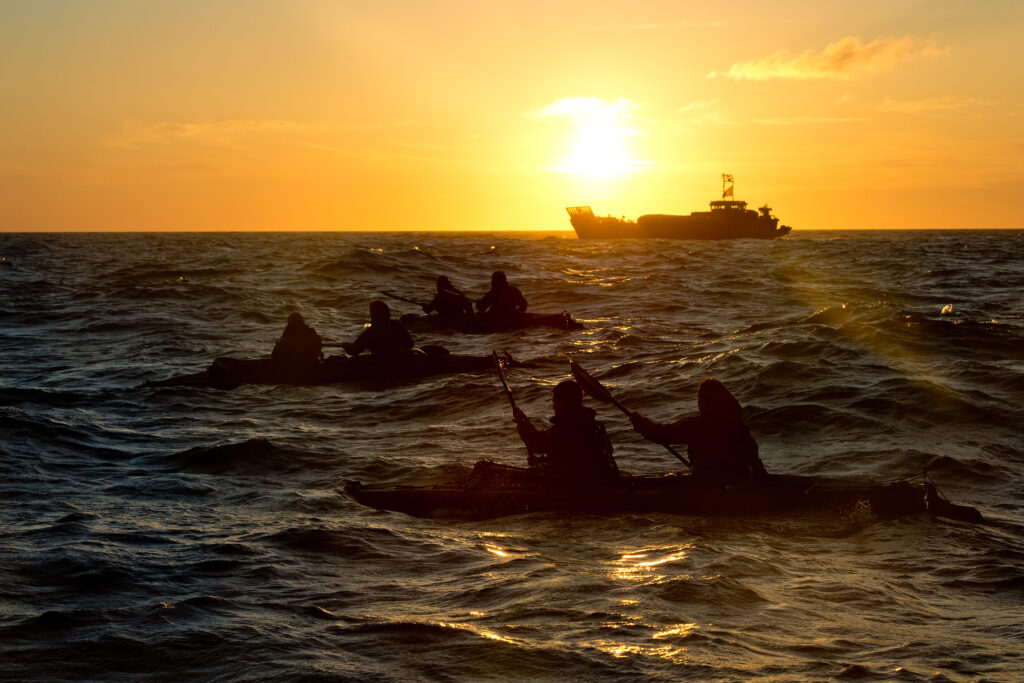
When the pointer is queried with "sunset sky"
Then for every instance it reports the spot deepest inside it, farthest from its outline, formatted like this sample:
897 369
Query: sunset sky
473 114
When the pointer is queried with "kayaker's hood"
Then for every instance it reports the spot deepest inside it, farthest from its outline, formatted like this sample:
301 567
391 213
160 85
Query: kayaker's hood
724 406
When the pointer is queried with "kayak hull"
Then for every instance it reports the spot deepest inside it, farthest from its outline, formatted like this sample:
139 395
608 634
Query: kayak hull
479 325
228 373
672 494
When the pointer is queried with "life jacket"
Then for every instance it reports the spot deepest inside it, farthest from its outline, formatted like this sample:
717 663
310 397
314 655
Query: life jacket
578 448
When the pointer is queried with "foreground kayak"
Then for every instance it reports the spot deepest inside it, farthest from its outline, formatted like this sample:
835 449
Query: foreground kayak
561 321
476 497
228 373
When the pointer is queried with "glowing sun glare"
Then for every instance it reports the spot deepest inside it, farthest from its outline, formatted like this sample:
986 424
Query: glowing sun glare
599 151
599 130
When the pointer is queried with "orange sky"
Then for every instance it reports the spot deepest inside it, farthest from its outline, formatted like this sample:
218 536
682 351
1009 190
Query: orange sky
386 114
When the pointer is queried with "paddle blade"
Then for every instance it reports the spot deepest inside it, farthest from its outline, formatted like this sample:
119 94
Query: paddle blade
590 385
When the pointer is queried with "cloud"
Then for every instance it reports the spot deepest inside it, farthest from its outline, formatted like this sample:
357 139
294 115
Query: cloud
935 104
700 112
228 133
588 109
800 120
697 106
845 58
712 23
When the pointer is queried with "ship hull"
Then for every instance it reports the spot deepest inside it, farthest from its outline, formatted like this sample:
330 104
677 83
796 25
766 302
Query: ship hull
710 225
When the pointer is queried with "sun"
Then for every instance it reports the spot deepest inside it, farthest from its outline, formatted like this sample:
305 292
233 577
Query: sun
599 150
597 136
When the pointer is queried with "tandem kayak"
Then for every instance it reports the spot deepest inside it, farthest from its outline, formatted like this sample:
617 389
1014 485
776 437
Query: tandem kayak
479 325
229 373
506 491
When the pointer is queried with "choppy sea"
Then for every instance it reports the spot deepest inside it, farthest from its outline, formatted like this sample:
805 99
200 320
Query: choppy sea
182 533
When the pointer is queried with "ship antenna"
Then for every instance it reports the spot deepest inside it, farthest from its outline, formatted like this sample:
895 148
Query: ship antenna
728 191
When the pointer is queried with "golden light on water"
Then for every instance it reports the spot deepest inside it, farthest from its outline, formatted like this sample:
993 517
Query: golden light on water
640 566
478 630
495 550
672 652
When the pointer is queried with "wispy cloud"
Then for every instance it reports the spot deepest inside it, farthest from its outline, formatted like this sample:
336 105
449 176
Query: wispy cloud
227 133
934 104
802 120
702 112
697 106
657 26
588 109
846 58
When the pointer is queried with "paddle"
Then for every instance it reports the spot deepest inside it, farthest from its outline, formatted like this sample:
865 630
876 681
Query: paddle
401 298
508 392
597 390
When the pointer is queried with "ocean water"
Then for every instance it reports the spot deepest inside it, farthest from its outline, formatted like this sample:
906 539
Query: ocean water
182 533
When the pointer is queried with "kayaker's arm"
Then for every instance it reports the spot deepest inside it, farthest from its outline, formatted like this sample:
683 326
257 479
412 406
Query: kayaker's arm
522 303
353 348
403 337
656 431
361 343
484 303
531 436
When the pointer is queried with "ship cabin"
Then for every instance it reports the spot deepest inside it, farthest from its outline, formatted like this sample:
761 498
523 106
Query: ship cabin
727 205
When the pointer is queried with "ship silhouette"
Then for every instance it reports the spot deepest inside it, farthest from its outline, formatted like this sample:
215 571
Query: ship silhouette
728 219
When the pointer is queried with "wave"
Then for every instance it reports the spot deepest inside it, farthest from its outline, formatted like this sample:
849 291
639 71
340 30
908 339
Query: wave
367 543
253 456
246 559
373 260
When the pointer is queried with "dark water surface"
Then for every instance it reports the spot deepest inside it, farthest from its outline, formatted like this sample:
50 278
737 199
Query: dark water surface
130 546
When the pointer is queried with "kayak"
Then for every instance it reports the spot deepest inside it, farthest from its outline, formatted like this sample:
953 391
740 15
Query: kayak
478 325
512 491
229 373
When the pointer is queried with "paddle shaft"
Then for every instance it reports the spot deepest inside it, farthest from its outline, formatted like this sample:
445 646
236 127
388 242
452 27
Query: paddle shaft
601 393
508 390
682 458
401 298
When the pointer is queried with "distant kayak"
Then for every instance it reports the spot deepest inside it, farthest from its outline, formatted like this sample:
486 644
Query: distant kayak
480 325
670 493
228 373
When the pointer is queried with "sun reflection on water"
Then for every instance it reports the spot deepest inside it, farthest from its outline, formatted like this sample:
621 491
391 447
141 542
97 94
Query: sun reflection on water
638 566
491 548
634 630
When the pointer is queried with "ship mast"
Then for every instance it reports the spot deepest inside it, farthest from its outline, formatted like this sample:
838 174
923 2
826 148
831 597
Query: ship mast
728 191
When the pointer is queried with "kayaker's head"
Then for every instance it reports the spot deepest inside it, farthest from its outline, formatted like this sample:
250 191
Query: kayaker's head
295 320
566 397
714 400
379 312
444 284
498 279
